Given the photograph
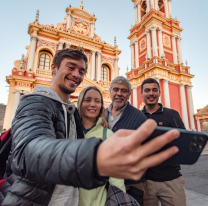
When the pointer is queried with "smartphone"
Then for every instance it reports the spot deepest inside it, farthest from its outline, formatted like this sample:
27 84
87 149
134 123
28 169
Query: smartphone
190 145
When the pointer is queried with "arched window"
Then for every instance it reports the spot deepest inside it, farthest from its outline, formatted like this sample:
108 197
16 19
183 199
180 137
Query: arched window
104 73
44 61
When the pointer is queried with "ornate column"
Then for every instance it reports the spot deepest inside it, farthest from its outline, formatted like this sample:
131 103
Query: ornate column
98 68
199 125
33 42
92 29
166 9
15 104
169 8
184 106
154 41
60 45
68 26
158 80
136 14
137 53
132 55
139 12
160 42
151 4
116 66
191 107
156 5
174 50
134 97
68 46
92 72
179 50
148 6
166 93
148 45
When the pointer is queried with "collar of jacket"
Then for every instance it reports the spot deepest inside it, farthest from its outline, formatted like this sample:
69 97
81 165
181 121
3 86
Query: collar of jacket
127 107
160 110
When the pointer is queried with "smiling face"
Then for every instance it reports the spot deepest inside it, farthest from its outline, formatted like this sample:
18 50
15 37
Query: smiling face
68 76
91 105
119 95
150 94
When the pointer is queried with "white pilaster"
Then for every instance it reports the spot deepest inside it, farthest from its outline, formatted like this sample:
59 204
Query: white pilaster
68 46
132 55
60 45
169 8
160 42
139 12
158 80
148 6
33 42
199 125
174 50
136 14
156 4
92 29
148 45
166 93
98 67
116 66
135 97
92 72
15 104
179 50
191 107
137 53
68 23
154 41
184 106
151 4
166 9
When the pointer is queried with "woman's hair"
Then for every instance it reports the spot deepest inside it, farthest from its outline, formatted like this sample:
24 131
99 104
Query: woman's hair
102 109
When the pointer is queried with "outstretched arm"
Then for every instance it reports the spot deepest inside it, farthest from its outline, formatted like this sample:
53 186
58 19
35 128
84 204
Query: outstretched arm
124 156
39 156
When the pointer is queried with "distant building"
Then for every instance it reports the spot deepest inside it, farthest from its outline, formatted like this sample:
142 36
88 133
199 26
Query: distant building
201 118
78 30
155 42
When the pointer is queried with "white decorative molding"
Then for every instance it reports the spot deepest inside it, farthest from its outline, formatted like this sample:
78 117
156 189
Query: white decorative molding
47 43
153 23
78 42
108 59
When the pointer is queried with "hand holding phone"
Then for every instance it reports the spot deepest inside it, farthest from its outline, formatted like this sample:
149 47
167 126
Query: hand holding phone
190 145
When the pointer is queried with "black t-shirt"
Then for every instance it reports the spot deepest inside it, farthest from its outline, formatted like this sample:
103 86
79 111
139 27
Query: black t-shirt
167 118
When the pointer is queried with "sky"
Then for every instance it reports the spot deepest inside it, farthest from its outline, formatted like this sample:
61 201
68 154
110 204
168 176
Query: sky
114 18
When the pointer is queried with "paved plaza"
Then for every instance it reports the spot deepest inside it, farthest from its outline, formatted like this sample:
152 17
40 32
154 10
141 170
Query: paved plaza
196 178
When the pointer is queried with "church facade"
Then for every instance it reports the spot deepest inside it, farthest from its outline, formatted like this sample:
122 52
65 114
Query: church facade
155 42
34 68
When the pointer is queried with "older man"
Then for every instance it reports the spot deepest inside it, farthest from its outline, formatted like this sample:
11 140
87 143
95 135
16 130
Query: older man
122 115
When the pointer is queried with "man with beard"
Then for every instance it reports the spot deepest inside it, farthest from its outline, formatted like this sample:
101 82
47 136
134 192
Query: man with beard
122 115
164 183
49 156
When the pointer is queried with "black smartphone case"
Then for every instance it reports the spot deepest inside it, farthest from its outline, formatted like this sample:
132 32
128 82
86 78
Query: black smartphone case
190 144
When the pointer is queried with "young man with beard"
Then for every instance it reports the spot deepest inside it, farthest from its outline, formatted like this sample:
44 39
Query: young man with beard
122 115
49 156
164 183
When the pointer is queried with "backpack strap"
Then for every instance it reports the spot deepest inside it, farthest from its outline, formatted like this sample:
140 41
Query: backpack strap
104 133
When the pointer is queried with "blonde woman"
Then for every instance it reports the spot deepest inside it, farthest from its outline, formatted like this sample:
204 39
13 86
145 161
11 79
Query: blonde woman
92 113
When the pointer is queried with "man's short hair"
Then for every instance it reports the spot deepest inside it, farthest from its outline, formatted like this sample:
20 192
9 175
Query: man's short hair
69 54
121 80
149 81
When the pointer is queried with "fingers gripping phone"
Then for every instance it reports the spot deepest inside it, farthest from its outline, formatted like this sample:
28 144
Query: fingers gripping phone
190 145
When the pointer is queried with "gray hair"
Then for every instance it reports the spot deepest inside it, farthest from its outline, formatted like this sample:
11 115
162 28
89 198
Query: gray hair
121 80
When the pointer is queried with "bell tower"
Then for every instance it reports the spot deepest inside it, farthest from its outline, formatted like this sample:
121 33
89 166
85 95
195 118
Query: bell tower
155 42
